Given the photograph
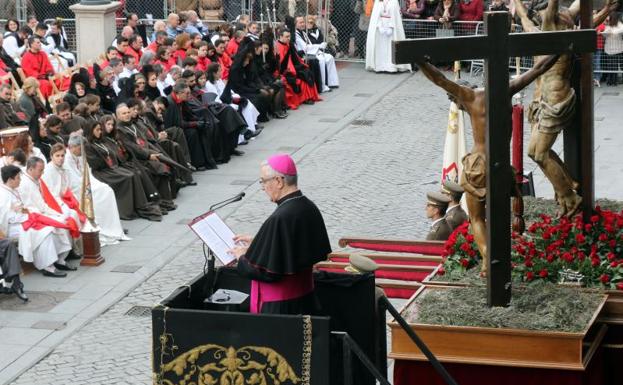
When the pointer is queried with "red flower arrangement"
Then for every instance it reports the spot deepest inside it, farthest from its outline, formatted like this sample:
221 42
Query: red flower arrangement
592 250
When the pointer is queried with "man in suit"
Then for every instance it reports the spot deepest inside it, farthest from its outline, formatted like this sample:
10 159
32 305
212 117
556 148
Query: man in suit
435 210
455 215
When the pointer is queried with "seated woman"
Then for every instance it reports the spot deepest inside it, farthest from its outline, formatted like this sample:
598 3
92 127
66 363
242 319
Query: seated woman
163 57
25 143
107 149
132 87
31 105
211 82
151 73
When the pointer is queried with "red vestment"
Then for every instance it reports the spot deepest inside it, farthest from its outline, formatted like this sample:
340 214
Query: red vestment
203 63
225 61
37 65
307 92
134 53
232 47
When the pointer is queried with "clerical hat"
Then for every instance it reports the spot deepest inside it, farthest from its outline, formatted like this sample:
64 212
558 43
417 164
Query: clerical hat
438 199
452 187
360 264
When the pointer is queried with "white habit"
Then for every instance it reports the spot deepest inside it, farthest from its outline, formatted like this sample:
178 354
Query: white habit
249 112
385 27
40 247
104 202
326 61
57 180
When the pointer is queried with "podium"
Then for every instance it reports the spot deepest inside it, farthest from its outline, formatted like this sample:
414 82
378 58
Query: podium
193 342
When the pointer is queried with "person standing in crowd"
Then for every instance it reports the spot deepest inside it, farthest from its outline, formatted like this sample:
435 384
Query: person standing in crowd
613 47
470 11
385 27
280 258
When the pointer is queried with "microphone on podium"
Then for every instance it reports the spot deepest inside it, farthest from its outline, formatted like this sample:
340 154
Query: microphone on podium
211 273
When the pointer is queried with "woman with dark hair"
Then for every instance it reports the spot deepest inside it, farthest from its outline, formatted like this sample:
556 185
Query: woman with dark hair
81 83
163 57
213 83
11 26
229 123
152 92
105 90
132 87
106 166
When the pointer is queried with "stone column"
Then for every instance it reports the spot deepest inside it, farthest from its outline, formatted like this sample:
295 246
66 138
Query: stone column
95 27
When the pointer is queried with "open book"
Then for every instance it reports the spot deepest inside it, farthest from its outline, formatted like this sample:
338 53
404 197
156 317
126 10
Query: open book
219 238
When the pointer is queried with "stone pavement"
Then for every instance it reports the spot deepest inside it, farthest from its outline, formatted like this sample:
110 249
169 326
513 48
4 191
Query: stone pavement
366 156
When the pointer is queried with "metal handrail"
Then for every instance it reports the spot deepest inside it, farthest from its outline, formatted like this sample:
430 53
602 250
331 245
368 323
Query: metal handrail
420 344
349 345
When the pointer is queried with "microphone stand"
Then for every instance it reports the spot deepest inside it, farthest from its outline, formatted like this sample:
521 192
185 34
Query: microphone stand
211 274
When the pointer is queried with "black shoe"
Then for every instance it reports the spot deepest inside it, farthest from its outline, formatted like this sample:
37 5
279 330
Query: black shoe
309 102
64 267
5 290
73 256
126 231
237 152
19 292
54 274
259 127
201 168
243 143
191 183
280 115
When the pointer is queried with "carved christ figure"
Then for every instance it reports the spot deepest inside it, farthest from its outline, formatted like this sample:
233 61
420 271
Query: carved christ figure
473 178
553 104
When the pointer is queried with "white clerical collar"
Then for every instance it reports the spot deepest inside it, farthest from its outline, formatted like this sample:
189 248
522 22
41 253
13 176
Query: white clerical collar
435 222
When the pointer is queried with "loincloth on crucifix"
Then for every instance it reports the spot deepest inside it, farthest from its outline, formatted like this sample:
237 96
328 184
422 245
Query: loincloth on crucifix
474 175
551 119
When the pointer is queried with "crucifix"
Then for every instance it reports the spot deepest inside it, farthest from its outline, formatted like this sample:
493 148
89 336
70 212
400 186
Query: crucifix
497 46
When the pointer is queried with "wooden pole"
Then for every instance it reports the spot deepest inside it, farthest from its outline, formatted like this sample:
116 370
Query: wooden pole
498 161
587 137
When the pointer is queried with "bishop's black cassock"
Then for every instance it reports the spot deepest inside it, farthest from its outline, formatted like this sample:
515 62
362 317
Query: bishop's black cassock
281 257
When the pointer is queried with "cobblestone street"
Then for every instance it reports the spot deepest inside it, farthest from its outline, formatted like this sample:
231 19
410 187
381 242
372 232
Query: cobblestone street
368 178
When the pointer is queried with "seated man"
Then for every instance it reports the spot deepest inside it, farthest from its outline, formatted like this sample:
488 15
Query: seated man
71 122
57 39
14 44
326 61
104 201
455 215
46 248
223 58
129 66
10 267
8 116
35 63
300 87
435 210
280 258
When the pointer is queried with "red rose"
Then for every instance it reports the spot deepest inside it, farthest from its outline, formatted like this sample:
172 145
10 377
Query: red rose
567 257
595 218
547 235
595 262
469 238
581 255
543 273
465 246
612 243
588 227
611 256
441 271
603 237
609 228
529 263
620 285
464 262
550 258
530 276
613 264
580 238
605 278
471 252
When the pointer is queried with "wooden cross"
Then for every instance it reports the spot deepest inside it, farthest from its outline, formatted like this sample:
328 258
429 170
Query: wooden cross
496 47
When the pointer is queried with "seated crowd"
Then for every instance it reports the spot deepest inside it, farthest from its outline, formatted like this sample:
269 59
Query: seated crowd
147 114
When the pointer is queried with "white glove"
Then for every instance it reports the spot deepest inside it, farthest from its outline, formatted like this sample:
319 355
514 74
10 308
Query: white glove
389 31
323 45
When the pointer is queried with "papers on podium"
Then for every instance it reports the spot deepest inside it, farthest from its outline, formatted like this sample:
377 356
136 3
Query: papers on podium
219 238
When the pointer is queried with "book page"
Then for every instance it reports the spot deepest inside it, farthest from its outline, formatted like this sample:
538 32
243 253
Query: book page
216 235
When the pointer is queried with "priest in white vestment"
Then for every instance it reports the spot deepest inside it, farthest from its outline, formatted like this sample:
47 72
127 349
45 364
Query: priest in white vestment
328 71
30 192
57 180
104 202
46 248
385 27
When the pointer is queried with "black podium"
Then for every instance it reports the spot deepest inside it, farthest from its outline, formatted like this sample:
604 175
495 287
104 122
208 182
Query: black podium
193 343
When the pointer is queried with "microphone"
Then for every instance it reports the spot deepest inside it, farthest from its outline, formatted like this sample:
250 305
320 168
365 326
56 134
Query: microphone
227 201
212 274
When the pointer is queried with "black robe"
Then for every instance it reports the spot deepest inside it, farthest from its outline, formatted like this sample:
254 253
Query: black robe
290 241
198 132
129 192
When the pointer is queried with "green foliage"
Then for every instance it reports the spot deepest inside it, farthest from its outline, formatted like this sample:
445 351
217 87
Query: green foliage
539 306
